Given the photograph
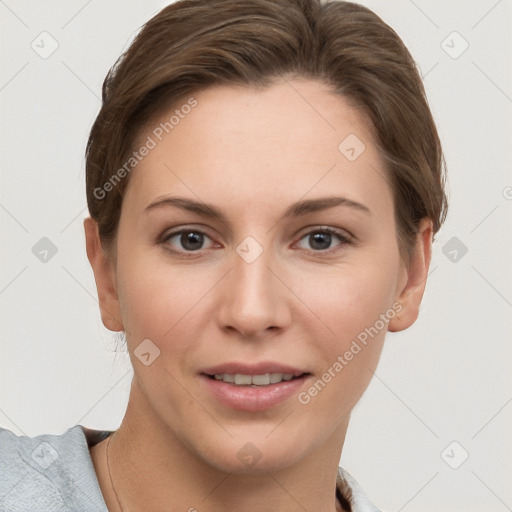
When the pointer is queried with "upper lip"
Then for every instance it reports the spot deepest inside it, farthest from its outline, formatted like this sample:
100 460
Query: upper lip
260 368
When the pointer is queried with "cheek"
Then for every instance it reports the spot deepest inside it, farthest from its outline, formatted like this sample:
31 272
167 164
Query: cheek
350 299
354 304
349 351
158 300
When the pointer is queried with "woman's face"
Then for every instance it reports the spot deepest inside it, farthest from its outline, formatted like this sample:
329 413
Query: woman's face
285 282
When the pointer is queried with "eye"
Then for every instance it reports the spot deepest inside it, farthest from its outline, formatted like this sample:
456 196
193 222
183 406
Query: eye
321 239
189 240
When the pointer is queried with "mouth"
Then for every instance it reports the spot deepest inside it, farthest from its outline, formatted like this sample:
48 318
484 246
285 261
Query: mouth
253 387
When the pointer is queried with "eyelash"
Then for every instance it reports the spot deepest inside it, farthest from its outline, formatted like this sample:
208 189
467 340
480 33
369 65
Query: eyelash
343 236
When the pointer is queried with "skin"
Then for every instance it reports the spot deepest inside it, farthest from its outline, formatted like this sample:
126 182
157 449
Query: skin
251 153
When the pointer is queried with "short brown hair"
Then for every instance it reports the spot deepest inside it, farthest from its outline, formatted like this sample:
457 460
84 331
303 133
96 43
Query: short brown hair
193 44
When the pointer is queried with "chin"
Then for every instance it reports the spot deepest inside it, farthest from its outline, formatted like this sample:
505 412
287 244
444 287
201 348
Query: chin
241 455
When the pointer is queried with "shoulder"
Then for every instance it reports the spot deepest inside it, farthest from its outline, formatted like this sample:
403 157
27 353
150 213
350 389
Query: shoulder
48 472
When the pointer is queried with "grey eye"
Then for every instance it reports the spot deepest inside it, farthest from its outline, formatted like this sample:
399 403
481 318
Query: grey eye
189 239
321 239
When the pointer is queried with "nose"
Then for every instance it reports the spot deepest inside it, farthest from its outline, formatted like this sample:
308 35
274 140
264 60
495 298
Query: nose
253 299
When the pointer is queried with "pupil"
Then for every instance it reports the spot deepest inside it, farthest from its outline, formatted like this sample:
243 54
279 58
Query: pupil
192 240
321 240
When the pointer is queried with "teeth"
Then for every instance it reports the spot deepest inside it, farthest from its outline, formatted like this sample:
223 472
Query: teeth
275 377
255 380
242 380
260 380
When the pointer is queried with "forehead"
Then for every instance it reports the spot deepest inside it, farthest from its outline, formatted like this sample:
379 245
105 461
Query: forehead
260 146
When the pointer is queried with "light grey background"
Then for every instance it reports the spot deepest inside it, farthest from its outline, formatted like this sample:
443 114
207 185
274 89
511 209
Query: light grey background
448 378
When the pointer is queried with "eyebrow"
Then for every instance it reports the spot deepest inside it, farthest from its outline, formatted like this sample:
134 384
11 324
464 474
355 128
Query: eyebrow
297 209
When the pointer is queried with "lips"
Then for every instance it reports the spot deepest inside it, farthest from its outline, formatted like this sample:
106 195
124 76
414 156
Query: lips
252 387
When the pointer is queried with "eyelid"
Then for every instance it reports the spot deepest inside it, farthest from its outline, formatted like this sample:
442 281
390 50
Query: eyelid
197 228
342 233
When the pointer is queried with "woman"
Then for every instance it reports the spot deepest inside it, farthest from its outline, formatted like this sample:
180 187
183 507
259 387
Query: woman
264 181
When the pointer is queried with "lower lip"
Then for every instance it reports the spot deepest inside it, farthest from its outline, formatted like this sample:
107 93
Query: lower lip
253 398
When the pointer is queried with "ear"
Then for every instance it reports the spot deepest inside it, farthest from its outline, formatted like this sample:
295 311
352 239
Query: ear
104 275
416 278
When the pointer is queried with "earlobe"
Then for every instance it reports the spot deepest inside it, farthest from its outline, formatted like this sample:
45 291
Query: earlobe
104 276
411 294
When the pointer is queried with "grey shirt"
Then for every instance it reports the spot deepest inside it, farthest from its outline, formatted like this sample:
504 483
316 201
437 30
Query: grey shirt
55 473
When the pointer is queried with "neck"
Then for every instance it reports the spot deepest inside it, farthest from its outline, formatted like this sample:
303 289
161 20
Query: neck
152 470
